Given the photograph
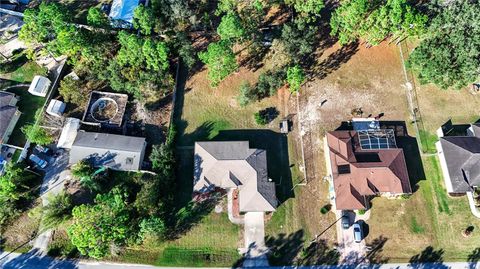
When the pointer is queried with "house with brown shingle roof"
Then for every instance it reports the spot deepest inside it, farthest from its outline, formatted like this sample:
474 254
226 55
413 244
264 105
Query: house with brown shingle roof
365 162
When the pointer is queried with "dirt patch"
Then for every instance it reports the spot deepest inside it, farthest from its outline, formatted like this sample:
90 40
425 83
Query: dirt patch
19 233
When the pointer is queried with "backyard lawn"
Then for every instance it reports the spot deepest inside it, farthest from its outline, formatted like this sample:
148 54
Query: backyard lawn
22 73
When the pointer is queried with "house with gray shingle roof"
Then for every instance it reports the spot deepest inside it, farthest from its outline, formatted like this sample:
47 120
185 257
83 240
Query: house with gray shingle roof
459 156
9 115
118 152
234 165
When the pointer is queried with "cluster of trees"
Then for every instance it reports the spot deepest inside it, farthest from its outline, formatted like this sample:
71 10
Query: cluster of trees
16 192
449 53
136 64
126 208
375 21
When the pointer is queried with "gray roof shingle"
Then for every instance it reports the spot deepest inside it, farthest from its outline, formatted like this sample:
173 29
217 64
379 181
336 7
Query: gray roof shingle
235 165
462 155
115 151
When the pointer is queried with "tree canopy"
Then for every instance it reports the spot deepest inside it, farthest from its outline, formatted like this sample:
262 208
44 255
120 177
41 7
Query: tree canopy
97 18
449 54
374 22
96 227
220 60
144 19
230 27
295 78
308 9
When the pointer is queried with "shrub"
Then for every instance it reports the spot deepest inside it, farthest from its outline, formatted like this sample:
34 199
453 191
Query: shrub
58 210
361 211
260 118
246 95
269 83
266 115
152 226
325 209
84 172
295 78
36 134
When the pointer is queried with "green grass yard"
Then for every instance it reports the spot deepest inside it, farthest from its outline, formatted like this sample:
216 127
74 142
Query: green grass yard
23 73
28 105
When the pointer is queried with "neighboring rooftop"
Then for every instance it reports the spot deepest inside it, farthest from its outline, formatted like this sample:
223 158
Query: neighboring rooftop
115 151
106 109
362 169
234 165
39 86
122 11
460 157
8 114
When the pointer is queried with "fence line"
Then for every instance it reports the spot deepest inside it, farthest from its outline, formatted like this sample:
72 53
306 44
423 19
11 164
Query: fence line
413 104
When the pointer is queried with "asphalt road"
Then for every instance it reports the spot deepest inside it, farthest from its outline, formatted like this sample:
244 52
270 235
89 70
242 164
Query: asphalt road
33 261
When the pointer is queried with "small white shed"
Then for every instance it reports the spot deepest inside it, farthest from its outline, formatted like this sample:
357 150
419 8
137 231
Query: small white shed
56 108
39 86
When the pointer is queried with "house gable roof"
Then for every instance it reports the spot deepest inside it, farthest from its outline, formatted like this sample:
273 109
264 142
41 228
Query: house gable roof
371 171
115 151
234 165
462 155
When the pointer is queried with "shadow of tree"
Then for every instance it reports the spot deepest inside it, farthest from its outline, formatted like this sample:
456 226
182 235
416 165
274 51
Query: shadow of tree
375 249
318 253
284 248
184 219
473 258
334 61
428 258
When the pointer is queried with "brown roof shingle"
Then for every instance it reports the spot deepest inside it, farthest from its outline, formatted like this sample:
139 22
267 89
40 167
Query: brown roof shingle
370 172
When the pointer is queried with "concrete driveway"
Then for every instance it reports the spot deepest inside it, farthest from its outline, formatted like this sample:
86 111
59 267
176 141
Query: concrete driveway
255 249
351 252
56 173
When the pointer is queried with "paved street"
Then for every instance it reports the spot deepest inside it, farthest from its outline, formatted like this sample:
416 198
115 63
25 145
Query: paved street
34 261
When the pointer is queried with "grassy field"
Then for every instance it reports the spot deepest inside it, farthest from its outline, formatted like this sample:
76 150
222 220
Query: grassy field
429 218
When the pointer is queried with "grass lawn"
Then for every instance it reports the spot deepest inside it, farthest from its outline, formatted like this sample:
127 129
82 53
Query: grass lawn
23 73
429 218
28 105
